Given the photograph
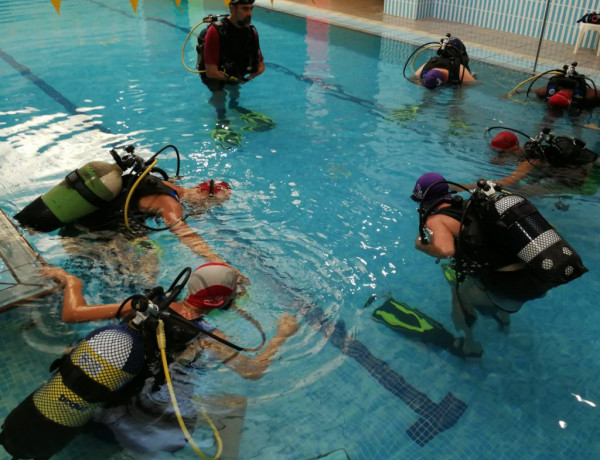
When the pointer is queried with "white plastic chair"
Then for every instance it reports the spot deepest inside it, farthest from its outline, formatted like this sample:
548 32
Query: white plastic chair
583 29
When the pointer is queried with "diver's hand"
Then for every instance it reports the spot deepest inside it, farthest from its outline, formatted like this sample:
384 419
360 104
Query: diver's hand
55 273
287 325
242 280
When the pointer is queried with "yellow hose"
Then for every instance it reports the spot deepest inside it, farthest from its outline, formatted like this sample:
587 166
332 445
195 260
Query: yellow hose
162 344
412 64
513 91
130 194
189 69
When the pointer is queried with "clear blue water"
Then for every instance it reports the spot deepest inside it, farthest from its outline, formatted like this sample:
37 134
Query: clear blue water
319 221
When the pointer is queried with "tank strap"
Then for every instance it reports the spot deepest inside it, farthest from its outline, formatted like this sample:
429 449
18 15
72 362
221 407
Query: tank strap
517 213
81 384
77 182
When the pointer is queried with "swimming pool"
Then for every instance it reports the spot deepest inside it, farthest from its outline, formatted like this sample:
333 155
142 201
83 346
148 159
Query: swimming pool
319 221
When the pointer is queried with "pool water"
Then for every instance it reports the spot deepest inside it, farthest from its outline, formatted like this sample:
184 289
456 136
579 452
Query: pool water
320 220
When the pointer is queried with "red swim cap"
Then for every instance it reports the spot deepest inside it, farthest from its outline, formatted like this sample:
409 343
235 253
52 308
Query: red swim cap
504 140
213 187
560 100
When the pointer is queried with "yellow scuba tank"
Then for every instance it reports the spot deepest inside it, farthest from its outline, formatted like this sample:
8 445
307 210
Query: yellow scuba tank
50 417
82 192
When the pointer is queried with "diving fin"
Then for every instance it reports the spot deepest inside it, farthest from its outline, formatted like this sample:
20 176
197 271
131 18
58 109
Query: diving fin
414 323
256 122
224 134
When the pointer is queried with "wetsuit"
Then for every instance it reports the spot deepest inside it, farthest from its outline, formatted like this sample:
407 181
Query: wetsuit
235 50
452 65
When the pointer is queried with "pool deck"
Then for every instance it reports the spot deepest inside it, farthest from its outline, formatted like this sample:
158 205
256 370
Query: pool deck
504 49
19 266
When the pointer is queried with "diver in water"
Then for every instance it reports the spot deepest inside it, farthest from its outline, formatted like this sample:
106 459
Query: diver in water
133 197
490 275
563 163
142 418
566 88
229 55
450 65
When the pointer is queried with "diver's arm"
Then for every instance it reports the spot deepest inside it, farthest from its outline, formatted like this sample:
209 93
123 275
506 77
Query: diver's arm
172 213
75 308
417 74
465 75
442 230
212 71
522 171
252 368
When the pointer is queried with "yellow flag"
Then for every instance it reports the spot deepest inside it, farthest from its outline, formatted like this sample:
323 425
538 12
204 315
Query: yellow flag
179 5
134 5
56 4
226 3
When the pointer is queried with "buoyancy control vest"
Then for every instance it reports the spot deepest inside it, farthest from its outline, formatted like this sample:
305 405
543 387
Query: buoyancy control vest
576 83
113 213
560 151
451 64
476 247
239 48
453 47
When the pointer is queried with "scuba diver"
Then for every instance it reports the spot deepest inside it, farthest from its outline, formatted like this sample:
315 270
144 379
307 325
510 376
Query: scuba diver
494 269
120 196
562 160
450 65
566 88
229 55
140 415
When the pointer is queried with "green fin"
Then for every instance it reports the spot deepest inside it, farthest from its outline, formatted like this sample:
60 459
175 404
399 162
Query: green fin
256 122
449 273
223 134
406 113
410 321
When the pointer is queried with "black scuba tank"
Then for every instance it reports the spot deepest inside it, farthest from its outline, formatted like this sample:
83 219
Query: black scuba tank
524 231
49 418
82 192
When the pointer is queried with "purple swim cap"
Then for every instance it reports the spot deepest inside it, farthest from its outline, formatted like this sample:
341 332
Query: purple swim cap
435 192
433 79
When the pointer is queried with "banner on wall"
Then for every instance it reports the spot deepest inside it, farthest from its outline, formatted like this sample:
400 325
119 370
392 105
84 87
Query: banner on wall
134 4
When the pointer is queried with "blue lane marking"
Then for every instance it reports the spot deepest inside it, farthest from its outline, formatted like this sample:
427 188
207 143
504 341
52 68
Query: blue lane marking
69 106
434 418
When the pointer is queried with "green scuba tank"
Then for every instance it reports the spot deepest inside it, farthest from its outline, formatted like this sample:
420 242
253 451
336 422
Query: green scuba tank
50 417
82 192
